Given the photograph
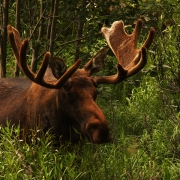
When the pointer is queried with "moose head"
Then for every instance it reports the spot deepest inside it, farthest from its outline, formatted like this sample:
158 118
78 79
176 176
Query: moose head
62 100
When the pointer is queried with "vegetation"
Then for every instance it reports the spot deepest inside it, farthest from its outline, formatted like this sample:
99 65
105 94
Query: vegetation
143 111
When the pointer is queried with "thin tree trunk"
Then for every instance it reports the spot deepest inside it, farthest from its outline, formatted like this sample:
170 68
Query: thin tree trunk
1 54
50 23
17 25
37 44
79 31
4 39
1 37
53 27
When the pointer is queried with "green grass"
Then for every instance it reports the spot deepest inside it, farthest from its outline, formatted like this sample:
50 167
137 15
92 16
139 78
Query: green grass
149 156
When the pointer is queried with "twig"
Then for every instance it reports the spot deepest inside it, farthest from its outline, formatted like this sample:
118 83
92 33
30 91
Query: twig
41 55
69 42
165 89
69 25
37 24
63 44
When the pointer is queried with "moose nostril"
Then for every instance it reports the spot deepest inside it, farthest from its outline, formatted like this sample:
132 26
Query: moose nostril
100 138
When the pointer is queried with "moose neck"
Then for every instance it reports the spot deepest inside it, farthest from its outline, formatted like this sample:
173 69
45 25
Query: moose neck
53 114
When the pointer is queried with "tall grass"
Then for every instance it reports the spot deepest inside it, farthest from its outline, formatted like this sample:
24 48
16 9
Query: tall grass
146 145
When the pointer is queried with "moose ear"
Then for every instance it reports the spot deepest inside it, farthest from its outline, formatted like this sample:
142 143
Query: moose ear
58 67
96 63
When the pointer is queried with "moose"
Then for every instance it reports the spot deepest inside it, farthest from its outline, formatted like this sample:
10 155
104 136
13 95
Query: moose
62 100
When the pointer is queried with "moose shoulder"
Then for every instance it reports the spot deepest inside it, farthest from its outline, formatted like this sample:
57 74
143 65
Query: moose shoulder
62 100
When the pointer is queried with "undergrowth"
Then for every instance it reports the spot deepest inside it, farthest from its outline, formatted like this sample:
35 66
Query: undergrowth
145 145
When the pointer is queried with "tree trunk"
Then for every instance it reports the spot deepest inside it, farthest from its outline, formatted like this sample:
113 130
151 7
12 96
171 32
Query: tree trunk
1 37
79 31
1 54
53 27
36 47
4 39
17 25
50 23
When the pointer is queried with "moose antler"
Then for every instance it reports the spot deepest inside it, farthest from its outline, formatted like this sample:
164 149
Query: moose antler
130 59
20 49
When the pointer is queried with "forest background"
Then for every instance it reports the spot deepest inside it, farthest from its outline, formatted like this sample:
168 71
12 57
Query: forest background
143 111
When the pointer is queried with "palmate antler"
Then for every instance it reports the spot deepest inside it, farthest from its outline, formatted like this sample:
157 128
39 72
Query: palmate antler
130 59
20 47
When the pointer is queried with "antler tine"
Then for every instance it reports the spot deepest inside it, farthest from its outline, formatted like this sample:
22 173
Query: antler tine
39 77
68 74
40 74
138 63
135 34
23 61
15 41
150 38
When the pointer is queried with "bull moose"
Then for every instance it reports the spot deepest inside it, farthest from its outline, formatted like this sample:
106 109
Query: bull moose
61 100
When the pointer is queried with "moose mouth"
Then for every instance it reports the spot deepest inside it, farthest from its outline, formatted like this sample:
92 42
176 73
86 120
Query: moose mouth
96 140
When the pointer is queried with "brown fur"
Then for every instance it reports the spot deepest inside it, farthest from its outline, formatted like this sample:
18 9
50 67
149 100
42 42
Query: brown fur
61 110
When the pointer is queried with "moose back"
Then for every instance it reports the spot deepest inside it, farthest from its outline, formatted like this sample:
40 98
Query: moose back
61 100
